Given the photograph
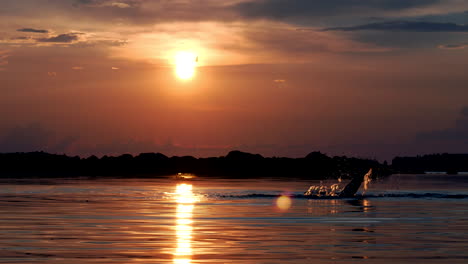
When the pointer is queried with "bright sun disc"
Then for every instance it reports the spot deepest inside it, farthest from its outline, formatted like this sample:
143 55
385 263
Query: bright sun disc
185 63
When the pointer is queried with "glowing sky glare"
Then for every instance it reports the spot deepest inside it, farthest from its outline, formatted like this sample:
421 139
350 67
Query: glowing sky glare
269 80
185 63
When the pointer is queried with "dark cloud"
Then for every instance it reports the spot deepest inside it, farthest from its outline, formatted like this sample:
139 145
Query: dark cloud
407 40
62 38
453 46
296 11
329 13
453 17
85 2
32 30
298 44
150 12
21 38
413 26
303 8
107 3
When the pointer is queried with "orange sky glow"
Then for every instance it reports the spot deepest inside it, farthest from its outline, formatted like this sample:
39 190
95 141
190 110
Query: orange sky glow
100 77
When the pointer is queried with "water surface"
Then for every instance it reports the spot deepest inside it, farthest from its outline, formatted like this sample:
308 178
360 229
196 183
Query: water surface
405 218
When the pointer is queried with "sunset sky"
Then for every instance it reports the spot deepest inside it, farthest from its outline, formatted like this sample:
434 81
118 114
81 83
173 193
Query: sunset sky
366 78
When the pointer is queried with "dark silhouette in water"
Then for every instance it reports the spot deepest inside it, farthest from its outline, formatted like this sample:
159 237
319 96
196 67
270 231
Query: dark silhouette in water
351 189
334 190
236 164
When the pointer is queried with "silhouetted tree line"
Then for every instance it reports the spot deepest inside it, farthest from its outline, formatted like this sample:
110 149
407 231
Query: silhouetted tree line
235 165
449 163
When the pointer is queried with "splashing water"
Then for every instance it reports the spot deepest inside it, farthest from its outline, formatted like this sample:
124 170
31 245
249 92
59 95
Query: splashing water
324 190
367 181
336 189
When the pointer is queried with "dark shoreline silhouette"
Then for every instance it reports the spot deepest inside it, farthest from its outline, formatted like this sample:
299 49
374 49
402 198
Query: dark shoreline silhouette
446 163
235 164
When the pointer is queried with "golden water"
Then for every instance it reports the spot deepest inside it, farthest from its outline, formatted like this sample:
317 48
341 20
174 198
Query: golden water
229 221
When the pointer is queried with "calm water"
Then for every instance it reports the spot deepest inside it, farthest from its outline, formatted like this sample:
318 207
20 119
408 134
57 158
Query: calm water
403 219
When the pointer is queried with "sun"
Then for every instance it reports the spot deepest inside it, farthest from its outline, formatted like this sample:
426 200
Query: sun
185 64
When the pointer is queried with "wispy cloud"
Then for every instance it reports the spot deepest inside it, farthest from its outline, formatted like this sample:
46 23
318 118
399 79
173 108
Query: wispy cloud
277 9
139 12
107 3
294 44
413 26
21 38
62 38
454 46
32 30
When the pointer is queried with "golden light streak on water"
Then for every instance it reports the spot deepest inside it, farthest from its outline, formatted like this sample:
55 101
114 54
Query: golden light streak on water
185 204
366 205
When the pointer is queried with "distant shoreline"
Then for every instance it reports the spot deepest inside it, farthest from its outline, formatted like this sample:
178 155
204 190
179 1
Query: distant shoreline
235 164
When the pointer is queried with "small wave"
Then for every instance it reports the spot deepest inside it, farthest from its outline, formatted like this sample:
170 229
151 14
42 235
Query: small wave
418 195
386 195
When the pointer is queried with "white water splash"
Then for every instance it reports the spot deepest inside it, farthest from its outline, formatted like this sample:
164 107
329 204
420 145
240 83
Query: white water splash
324 190
336 189
367 181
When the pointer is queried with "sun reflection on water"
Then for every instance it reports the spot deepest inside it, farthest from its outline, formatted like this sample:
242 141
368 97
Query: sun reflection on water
185 204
